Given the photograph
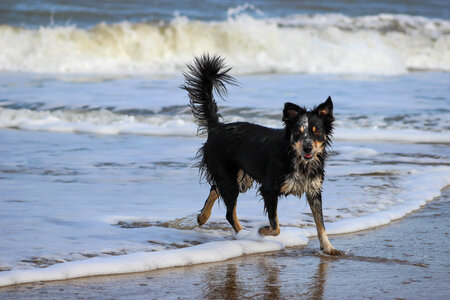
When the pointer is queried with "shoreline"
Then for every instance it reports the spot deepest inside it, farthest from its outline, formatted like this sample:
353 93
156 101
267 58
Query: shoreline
406 259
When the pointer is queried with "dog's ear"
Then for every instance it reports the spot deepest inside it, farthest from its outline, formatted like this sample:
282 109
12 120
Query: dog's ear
325 110
291 112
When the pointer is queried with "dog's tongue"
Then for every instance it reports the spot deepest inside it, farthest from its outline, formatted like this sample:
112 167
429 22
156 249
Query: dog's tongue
308 156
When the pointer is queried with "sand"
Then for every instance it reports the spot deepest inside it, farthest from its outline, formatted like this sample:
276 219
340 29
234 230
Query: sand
407 259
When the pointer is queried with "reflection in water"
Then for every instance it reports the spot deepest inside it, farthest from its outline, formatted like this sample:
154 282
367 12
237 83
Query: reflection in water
317 287
222 283
266 280
270 278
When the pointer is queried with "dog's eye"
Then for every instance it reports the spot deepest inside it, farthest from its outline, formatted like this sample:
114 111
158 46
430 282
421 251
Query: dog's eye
316 131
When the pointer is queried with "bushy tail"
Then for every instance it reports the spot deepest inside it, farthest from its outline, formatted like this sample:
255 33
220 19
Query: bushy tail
204 77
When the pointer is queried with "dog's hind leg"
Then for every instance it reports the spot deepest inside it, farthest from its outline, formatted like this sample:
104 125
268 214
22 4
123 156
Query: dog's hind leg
315 203
205 213
230 200
229 192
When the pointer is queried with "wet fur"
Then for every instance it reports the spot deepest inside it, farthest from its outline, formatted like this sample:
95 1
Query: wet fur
235 155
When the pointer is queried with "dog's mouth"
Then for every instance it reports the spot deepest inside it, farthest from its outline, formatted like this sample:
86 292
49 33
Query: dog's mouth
308 156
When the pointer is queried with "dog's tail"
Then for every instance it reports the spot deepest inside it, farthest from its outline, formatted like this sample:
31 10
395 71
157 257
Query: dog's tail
204 77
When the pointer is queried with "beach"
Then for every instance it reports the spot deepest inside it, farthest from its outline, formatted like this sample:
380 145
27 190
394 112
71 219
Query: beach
407 259
98 148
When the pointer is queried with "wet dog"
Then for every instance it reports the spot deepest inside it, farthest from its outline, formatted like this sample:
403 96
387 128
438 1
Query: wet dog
288 161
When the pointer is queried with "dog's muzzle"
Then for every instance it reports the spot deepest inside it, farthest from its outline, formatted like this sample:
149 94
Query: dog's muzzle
307 150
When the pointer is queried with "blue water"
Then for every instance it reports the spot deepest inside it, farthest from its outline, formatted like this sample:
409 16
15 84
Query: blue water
98 142
88 13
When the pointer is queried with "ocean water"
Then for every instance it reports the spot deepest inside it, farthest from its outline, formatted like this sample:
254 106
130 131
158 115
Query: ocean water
98 143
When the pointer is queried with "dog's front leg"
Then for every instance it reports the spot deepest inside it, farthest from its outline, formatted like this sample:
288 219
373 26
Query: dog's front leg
315 203
271 203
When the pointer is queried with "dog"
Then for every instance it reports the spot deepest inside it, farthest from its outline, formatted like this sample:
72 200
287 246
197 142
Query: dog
287 161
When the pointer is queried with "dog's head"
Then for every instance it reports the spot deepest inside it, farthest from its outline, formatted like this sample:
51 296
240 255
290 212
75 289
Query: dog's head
309 132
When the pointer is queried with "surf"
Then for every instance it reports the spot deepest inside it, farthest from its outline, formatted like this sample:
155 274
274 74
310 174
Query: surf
382 44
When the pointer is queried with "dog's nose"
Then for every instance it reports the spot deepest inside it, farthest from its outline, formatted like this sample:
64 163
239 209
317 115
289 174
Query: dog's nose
307 148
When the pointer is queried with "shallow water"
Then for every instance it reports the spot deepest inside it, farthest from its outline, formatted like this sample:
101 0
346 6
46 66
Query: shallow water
96 155
380 263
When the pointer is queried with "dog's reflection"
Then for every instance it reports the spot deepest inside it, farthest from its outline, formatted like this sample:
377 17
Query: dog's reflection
267 279
316 287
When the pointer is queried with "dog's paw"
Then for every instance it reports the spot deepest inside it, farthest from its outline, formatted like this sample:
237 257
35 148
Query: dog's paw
333 252
201 219
267 230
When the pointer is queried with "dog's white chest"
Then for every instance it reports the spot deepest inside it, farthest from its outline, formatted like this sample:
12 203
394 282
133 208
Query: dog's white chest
297 183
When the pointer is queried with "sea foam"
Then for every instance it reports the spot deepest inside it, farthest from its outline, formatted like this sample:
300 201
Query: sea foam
322 43
430 181
103 121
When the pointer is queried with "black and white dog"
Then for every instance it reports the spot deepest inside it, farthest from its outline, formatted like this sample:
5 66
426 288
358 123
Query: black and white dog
282 161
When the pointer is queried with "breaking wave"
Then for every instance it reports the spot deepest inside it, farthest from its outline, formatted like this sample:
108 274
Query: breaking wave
322 43
178 121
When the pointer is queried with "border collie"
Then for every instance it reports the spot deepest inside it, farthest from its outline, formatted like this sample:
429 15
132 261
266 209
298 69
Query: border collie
287 161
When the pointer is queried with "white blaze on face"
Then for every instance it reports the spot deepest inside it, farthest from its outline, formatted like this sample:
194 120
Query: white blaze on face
304 124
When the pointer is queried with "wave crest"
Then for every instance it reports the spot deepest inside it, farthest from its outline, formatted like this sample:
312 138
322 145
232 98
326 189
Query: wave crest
324 43
178 121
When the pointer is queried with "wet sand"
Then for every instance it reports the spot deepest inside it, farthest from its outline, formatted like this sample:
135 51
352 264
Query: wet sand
407 259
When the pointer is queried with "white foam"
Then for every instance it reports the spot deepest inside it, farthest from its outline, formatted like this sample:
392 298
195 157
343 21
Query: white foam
141 262
100 122
323 43
107 122
418 188
358 151
413 25
392 135
289 236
